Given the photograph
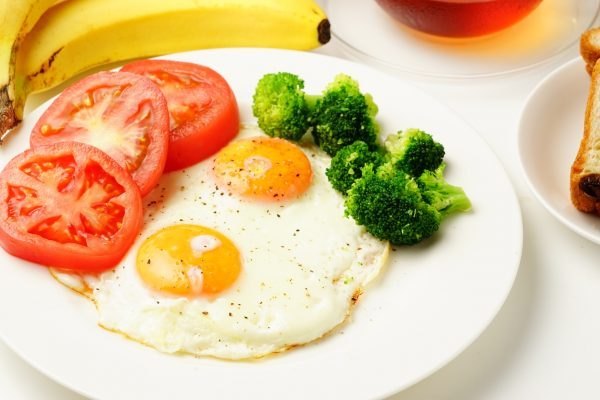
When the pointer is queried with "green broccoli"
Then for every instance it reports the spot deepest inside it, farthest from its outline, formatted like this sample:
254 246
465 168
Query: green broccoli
347 163
393 206
338 117
343 115
414 151
279 105
445 198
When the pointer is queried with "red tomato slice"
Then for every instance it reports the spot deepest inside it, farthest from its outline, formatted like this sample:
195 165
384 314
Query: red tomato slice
123 114
202 107
68 205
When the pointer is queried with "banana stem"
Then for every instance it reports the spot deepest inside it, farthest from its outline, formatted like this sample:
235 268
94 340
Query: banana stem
324 31
8 117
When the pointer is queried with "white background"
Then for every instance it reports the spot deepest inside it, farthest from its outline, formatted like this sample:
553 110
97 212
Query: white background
544 343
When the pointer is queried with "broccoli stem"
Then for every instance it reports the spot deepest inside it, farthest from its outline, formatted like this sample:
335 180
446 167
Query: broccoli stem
441 195
311 100
451 199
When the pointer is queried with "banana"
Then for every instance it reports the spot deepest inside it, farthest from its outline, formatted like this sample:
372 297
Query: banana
77 35
17 17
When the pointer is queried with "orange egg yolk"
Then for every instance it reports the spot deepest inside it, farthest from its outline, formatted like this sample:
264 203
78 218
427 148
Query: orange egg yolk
188 260
263 168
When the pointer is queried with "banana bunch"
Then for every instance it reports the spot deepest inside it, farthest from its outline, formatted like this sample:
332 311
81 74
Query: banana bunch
54 40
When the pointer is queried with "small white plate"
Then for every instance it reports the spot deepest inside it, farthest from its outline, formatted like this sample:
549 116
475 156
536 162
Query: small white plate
550 130
430 303
369 34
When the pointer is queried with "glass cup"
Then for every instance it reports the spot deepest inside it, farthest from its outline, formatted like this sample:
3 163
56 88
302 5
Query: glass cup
458 18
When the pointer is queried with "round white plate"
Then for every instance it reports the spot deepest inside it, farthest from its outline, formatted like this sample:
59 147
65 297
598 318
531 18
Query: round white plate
550 130
430 303
369 34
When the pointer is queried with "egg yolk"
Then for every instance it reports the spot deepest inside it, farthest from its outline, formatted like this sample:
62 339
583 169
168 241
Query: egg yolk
188 260
263 168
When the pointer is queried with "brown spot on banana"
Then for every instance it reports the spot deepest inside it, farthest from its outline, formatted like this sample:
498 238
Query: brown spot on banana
45 65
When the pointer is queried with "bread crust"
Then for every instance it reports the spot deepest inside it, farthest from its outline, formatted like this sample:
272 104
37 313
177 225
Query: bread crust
585 182
590 48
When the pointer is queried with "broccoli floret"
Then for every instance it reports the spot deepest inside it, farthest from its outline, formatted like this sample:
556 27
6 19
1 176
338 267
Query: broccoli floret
390 207
279 105
347 163
338 117
414 151
343 115
394 206
445 198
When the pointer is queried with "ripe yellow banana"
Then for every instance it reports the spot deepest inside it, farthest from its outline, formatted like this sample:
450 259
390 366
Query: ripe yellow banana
17 17
81 34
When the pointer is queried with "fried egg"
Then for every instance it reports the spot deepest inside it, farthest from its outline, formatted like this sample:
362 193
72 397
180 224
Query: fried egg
242 255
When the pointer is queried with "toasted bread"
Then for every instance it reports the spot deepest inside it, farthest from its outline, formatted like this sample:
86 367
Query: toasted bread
585 171
589 47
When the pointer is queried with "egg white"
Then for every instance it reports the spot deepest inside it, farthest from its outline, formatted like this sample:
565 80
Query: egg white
303 266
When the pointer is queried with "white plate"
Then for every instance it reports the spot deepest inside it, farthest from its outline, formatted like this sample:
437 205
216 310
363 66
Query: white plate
552 28
432 301
550 130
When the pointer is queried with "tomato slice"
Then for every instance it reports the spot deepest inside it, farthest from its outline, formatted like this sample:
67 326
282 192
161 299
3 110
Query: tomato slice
203 110
123 114
68 205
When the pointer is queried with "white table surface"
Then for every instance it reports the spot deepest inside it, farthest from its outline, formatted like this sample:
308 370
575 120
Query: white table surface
544 343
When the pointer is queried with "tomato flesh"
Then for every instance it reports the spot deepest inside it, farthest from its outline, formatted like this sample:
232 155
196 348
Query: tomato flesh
203 111
68 205
122 114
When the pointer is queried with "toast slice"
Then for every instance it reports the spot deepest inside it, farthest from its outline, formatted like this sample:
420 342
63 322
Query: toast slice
589 47
585 171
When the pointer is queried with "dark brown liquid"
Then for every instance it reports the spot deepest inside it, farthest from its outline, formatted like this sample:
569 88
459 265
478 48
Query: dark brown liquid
458 18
